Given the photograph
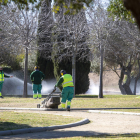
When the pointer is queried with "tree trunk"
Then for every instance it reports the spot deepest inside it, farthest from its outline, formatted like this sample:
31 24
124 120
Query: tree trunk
25 73
73 68
101 74
126 86
121 83
127 89
135 85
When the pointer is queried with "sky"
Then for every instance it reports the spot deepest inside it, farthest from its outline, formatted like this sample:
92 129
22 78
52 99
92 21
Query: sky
105 2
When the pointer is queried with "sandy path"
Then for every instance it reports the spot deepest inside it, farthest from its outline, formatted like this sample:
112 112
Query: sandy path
105 123
100 123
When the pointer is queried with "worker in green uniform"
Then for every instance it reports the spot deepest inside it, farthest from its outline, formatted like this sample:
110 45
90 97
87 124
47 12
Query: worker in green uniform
68 89
36 78
2 75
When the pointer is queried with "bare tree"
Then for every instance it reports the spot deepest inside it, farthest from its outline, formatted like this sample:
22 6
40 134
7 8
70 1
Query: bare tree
72 40
98 20
21 33
19 28
121 46
7 36
123 50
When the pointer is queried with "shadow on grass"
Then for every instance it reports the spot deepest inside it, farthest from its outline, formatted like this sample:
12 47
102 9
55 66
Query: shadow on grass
85 135
12 126
115 135
86 96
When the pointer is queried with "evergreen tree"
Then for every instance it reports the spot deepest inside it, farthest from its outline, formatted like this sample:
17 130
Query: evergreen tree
44 39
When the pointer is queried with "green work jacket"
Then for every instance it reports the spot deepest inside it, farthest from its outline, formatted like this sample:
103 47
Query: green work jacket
37 77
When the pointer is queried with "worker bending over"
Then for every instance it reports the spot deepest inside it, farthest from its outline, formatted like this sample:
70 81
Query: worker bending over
2 75
68 89
36 78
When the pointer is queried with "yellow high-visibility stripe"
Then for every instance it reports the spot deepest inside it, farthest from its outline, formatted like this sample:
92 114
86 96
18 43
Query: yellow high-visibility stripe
67 82
68 103
39 95
35 96
63 105
1 77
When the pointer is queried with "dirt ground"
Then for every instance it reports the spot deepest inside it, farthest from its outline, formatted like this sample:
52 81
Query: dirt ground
99 124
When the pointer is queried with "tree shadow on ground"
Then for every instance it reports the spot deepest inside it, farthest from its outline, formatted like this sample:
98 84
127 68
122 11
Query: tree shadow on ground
127 135
69 134
12 126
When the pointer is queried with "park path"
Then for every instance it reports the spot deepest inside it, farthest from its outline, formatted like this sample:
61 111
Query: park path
101 123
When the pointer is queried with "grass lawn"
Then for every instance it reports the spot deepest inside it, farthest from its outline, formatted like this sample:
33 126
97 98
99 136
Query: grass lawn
16 120
10 120
109 101
81 101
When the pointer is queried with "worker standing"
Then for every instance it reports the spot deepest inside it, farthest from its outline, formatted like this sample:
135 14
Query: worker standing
2 75
68 89
36 78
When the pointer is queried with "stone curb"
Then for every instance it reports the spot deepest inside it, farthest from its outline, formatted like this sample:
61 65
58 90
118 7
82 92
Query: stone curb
49 109
16 108
113 112
40 129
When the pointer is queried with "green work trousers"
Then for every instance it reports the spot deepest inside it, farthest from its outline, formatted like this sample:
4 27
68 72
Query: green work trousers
1 84
37 89
67 94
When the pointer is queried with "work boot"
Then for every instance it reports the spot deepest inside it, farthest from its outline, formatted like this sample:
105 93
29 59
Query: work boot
68 108
1 97
63 109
